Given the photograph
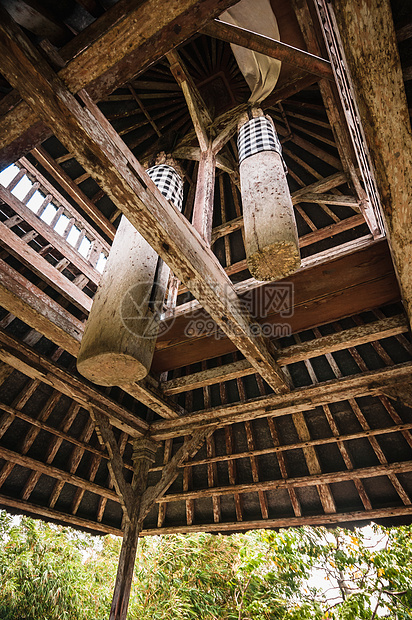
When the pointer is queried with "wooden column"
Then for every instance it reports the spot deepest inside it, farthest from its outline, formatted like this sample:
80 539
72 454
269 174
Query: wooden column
368 38
202 217
143 456
271 238
121 331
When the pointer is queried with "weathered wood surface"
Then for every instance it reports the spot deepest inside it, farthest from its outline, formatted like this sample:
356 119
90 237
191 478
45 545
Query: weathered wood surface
122 177
336 116
202 216
278 448
301 399
55 515
26 301
59 199
301 481
48 233
352 337
330 291
66 183
54 472
331 199
265 45
170 471
39 265
324 519
369 41
32 364
147 31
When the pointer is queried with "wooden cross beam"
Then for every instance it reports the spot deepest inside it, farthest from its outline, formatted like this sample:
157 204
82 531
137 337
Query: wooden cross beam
123 178
147 30
265 45
369 383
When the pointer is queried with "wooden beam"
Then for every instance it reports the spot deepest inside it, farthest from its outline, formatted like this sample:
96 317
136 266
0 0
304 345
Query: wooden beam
55 515
75 193
331 199
54 472
32 364
334 439
26 301
115 464
265 45
197 108
144 451
121 176
313 520
353 337
369 41
301 399
60 200
18 248
314 479
146 30
50 235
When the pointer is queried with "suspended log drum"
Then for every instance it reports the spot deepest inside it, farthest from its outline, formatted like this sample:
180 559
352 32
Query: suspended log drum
271 238
120 334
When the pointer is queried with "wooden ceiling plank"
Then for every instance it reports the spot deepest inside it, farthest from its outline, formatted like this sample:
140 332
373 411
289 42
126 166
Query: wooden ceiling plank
278 448
119 173
36 366
67 519
297 482
31 305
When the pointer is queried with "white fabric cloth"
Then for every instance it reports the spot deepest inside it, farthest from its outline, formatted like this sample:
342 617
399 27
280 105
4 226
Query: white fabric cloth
260 72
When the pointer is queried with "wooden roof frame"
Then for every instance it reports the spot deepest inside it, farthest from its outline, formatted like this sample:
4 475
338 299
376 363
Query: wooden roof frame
58 96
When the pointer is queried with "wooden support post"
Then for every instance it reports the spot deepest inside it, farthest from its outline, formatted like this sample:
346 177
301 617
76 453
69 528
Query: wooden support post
271 238
144 451
369 41
202 217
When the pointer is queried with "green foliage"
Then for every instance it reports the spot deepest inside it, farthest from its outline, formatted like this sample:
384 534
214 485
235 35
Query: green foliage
48 572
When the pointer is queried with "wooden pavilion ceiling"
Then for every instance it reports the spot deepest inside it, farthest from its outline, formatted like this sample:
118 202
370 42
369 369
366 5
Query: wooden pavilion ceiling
233 454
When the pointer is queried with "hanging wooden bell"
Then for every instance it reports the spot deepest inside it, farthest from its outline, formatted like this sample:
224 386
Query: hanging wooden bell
271 238
120 335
